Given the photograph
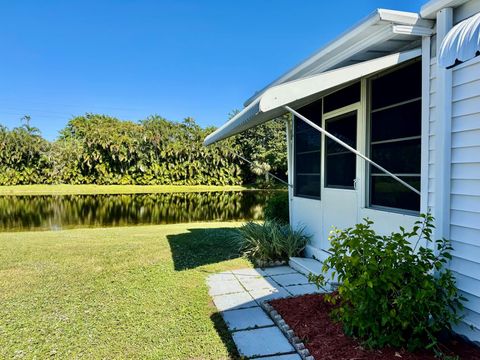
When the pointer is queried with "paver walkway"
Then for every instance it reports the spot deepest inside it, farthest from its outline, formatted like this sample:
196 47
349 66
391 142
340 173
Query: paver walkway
237 295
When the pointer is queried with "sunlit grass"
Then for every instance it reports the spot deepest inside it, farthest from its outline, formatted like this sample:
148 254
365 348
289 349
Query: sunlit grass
110 189
129 292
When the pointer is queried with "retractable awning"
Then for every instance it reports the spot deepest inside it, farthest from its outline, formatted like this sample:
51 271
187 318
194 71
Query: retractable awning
297 93
462 42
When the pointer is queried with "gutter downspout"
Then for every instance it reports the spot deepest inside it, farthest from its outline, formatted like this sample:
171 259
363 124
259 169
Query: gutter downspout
443 134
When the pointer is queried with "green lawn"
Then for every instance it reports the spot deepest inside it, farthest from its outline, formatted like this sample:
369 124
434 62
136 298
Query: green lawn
127 292
110 189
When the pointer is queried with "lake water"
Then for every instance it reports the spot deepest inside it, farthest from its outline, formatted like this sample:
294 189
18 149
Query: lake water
19 213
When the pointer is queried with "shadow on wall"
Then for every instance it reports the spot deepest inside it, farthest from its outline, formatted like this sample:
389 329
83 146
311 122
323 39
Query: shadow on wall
199 247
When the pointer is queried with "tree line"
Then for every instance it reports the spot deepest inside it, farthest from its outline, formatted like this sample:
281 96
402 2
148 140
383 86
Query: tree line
100 149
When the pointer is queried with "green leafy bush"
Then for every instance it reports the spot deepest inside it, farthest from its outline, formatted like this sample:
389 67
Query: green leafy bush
392 293
270 241
277 208
100 149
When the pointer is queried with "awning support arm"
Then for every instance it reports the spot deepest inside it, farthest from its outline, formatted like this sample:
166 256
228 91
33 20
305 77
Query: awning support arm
258 167
349 148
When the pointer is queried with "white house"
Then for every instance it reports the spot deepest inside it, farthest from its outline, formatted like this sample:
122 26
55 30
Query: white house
402 90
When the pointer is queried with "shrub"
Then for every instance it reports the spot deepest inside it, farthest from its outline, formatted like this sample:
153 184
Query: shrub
270 241
276 208
390 292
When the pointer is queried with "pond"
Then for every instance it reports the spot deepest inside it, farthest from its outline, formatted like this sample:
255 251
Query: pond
20 213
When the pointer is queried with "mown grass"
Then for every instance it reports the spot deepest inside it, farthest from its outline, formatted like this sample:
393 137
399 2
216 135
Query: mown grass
130 292
110 189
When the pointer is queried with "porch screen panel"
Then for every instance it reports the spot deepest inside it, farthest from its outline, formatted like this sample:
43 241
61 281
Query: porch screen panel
340 163
307 145
343 97
395 137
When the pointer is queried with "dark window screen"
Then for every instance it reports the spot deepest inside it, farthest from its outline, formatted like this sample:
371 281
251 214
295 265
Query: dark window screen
398 86
395 137
307 147
340 163
341 98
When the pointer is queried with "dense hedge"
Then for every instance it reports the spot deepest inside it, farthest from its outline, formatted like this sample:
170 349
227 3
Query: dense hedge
99 149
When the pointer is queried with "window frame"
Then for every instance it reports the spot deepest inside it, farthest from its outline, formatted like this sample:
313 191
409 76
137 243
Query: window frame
353 108
368 144
295 174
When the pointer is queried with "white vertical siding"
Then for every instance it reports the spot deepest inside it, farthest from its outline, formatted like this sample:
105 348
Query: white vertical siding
465 190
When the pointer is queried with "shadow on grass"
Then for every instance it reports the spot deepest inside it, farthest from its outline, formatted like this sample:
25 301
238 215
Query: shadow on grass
199 247
225 335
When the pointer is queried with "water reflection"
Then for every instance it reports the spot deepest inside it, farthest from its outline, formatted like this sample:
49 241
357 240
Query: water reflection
60 212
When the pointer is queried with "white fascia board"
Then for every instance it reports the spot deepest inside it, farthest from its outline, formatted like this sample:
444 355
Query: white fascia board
412 30
403 18
430 9
379 16
288 93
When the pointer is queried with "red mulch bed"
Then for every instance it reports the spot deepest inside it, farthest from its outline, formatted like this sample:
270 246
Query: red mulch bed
309 317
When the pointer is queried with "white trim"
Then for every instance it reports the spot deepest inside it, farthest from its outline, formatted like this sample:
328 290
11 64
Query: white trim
430 9
362 182
412 30
289 134
443 133
425 124
292 91
341 48
342 110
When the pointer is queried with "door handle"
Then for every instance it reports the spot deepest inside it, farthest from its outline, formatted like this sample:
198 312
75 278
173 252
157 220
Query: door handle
355 184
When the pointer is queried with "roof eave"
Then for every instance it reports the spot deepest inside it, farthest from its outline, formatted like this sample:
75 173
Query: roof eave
430 9
379 15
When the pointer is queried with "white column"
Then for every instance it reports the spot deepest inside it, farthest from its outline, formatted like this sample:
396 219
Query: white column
443 133
426 45
289 132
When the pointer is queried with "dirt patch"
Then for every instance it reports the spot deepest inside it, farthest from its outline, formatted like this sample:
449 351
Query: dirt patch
309 317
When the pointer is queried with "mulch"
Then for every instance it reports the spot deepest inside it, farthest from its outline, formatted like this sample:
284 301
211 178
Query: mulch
309 317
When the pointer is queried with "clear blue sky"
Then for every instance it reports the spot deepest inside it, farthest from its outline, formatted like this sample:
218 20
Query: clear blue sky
175 58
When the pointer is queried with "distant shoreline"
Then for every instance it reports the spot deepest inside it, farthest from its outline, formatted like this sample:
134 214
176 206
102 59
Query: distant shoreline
114 189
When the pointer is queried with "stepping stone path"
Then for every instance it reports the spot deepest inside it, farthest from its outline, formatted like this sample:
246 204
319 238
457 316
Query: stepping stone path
237 294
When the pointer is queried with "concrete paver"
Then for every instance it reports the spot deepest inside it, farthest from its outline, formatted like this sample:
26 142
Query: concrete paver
237 294
267 295
225 287
243 319
258 342
279 270
233 301
297 290
290 279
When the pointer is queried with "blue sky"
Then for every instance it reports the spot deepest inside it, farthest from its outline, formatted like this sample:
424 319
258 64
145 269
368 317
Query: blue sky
174 58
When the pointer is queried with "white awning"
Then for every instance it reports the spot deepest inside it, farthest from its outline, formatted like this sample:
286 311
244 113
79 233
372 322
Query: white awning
300 92
462 42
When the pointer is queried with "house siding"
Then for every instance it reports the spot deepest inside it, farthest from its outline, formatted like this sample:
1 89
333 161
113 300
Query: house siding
465 191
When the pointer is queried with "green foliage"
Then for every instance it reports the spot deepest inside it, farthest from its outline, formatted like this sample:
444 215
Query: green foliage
277 208
392 293
270 241
266 147
99 149
22 155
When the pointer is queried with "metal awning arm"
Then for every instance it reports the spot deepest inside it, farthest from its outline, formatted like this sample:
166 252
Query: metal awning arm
349 148
255 165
